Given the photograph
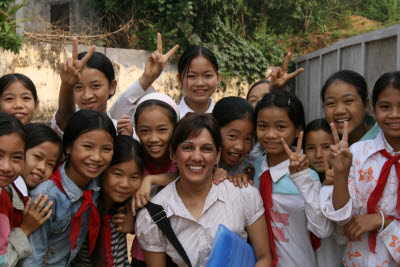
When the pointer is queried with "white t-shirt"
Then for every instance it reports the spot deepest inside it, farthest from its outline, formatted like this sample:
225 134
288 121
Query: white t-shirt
184 108
225 204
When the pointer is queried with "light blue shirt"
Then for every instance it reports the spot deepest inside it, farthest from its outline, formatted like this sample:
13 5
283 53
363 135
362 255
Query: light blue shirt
50 243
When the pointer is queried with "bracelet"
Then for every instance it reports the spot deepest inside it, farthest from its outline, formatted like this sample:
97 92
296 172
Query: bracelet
383 222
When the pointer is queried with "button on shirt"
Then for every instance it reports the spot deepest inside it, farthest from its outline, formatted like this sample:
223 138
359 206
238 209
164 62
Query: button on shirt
50 243
225 204
184 108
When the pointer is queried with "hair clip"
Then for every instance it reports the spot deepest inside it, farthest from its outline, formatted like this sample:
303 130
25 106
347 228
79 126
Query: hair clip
288 102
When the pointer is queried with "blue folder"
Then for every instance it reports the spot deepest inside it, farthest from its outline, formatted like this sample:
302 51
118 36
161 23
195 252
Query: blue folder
231 250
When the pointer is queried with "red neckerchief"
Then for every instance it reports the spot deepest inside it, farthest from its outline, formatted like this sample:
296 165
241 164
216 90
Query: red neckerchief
378 191
315 241
94 219
7 208
107 240
152 169
266 195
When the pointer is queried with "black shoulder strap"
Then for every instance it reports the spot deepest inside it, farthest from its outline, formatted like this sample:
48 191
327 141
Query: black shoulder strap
160 218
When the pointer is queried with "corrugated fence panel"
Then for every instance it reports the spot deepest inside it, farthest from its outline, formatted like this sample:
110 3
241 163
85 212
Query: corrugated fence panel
370 54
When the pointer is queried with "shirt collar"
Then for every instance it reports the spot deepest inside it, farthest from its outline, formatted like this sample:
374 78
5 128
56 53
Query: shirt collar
71 189
277 171
388 147
178 208
184 108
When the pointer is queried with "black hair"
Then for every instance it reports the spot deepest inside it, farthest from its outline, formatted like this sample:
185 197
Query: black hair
171 113
38 133
10 124
283 99
232 108
255 85
350 77
316 125
126 149
102 63
191 126
388 79
86 120
191 53
11 78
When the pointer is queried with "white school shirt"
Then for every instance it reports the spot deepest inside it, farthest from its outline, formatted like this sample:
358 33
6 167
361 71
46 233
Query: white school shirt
126 103
225 204
184 108
20 184
294 213
330 253
363 177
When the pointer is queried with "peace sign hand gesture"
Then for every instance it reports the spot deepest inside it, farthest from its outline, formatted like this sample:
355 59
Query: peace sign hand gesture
328 173
340 156
298 161
156 63
71 71
280 77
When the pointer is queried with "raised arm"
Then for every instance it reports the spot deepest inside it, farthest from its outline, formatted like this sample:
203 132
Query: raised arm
70 73
126 102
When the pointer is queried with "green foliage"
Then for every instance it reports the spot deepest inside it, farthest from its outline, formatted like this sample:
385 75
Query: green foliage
385 11
9 40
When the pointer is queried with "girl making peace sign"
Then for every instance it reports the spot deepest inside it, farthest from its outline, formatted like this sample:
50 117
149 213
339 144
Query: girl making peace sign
289 189
88 81
365 195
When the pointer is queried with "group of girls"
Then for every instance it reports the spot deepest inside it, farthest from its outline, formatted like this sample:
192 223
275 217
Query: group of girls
70 193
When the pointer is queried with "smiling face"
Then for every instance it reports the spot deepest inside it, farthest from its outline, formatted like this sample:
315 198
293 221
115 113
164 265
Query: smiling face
343 103
19 101
196 158
93 90
273 123
237 140
257 93
121 180
154 129
387 115
200 82
90 155
12 152
40 162
316 144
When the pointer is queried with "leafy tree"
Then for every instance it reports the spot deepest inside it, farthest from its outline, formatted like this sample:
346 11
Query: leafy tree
9 40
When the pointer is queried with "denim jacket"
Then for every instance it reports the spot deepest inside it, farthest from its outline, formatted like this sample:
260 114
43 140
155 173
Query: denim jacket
50 243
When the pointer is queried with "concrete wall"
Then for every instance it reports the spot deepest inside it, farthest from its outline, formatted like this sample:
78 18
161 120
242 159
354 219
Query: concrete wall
37 13
41 62
370 54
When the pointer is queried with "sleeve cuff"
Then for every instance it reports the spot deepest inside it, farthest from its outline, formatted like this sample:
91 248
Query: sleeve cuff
20 243
341 216
136 92
255 217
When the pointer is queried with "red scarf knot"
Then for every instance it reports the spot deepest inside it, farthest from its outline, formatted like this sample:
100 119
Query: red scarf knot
94 221
378 191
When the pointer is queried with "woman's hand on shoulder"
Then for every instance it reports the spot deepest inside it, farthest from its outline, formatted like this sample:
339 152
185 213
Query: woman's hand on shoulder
142 195
36 213
220 175
340 156
124 220
298 161
155 64
71 71
241 180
